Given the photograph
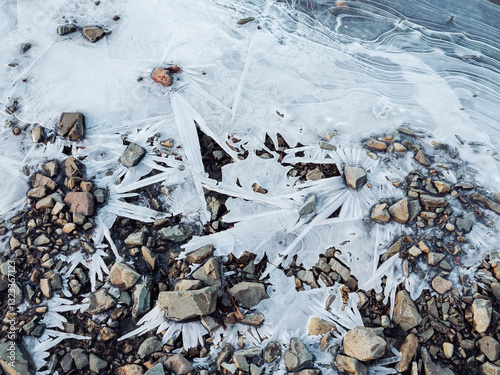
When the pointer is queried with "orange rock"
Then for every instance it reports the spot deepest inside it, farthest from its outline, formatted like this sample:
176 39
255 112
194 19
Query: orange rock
162 76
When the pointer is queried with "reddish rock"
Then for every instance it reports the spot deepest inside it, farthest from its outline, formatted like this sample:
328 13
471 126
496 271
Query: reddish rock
81 202
162 76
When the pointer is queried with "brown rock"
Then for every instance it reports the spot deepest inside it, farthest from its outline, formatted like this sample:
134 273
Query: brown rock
350 365
490 347
488 203
441 285
355 176
408 350
38 192
38 134
318 326
72 167
162 76
47 202
399 211
201 254
130 370
363 344
395 248
433 202
422 158
405 311
178 364
123 276
72 125
380 213
81 202
93 33
38 180
375 145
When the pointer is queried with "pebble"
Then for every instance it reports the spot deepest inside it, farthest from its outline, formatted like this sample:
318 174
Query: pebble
433 202
430 367
248 294
448 349
441 285
210 272
422 158
489 369
123 276
80 358
375 145
350 365
489 347
408 350
141 297
488 203
298 356
405 312
66 29
100 301
308 206
399 211
363 344
318 326
163 77
176 233
481 310
200 255
442 187
38 134
132 155
96 364
188 304
380 214
131 369
72 125
150 345
156 370
93 33
355 176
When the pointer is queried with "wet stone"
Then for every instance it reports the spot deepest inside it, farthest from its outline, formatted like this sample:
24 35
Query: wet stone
72 125
66 29
132 155
433 202
463 224
422 158
488 203
375 145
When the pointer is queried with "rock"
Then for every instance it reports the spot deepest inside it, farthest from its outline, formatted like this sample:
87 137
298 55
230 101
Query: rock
138 238
490 347
464 225
72 125
481 310
408 350
96 364
433 202
81 202
46 288
72 167
156 370
80 357
248 294
399 211
176 233
25 47
363 344
38 134
307 371
252 319
210 273
327 146
141 298
441 285
149 257
355 176
414 208
422 158
380 213
188 304
241 362
224 354
442 187
21 364
123 276
78 218
14 243
67 363
100 195
434 258
200 255
186 284
488 203
162 76
314 175
414 251
58 207
489 369
38 180
350 365
150 345
308 277
308 206
100 301
42 204
298 356
66 29
430 367
272 351
93 33
131 369
448 349
178 364
375 145
395 248
318 326
132 155
41 240
398 147
405 311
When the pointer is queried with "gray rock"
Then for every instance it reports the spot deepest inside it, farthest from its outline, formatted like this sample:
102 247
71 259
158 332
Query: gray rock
434 258
25 47
488 203
80 357
399 211
355 176
72 125
463 224
433 202
318 326
188 304
101 301
201 254
100 195
394 249
308 206
441 285
66 29
156 370
298 356
176 233
178 364
363 344
39 179
97 364
21 364
430 367
408 350
490 347
442 187
67 363
41 240
47 202
210 273
350 365
132 155
93 33
38 192
150 345
248 294
489 369
149 256
141 298
138 238
46 288
414 208
405 311
123 276
307 277
225 353
481 310
186 284
380 214
272 351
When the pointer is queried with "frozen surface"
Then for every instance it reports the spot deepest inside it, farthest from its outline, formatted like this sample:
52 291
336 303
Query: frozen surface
302 68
